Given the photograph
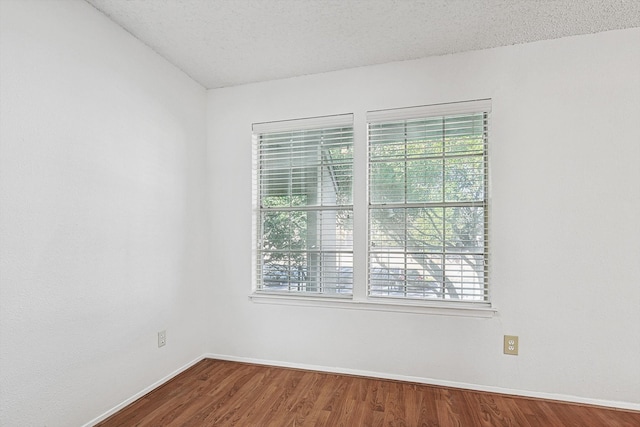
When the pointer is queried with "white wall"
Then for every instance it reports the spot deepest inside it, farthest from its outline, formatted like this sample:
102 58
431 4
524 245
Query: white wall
565 240
105 224
102 214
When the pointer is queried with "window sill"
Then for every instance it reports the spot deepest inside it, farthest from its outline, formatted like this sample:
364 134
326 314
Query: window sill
459 309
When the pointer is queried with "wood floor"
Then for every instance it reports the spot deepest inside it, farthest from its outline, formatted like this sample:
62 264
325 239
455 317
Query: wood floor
221 393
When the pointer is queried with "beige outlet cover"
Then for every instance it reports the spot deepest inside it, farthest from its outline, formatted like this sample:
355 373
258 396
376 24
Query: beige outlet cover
511 345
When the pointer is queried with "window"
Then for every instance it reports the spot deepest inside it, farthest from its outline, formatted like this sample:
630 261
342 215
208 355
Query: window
428 203
304 210
423 200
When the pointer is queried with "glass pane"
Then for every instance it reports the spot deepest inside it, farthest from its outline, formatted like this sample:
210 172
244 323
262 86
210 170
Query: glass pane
336 273
424 181
387 141
387 182
464 134
424 137
424 229
307 251
289 187
386 229
285 231
330 230
284 272
465 277
424 277
406 139
464 179
339 170
386 274
306 168
405 275
465 229
412 229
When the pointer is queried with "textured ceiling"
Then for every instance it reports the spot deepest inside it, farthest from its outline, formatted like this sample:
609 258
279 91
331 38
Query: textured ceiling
230 42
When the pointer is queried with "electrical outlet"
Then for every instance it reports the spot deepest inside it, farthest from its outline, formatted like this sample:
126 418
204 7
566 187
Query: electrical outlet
511 345
162 338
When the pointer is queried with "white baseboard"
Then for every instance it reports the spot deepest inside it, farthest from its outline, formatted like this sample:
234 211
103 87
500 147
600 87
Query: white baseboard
143 392
430 381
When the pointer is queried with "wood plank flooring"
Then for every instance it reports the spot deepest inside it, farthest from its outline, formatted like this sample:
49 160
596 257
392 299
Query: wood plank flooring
221 393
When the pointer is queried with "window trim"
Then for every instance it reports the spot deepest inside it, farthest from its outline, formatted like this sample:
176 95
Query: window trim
457 309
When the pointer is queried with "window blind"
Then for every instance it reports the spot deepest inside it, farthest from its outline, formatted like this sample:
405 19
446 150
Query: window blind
305 205
428 225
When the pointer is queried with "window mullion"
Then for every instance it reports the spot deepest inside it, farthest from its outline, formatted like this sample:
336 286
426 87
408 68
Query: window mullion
360 209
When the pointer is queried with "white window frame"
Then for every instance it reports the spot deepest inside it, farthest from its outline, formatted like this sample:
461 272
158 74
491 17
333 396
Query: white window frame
303 144
398 266
360 300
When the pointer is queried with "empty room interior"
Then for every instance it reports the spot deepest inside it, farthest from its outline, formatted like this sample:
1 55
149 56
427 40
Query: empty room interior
442 193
